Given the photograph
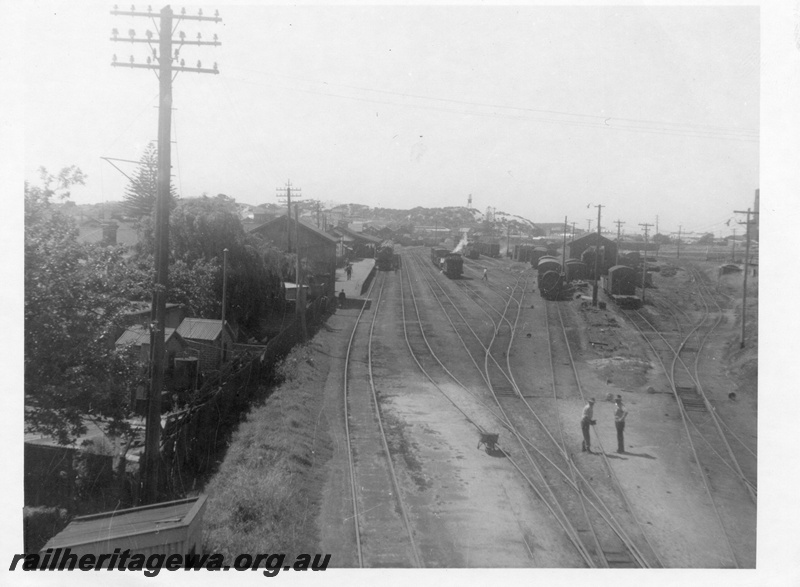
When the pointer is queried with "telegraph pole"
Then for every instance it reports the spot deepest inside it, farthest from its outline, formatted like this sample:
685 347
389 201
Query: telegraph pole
160 61
733 252
573 230
644 261
746 269
589 220
300 300
224 305
286 192
657 243
679 240
619 224
596 256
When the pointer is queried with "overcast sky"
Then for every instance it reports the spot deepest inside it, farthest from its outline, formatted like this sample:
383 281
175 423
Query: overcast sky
536 110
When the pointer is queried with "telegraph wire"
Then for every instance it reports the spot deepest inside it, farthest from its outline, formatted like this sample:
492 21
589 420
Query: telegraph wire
600 119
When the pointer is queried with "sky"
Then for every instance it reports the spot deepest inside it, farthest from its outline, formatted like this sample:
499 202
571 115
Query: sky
540 111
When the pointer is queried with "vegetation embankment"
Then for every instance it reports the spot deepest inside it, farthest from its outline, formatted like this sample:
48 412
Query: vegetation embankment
266 494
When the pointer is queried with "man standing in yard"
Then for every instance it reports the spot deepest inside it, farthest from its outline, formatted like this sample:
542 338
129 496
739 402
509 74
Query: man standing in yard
586 421
486 275
619 421
342 298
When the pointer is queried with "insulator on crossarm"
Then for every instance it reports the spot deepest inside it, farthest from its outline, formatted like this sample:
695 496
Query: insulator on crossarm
114 58
182 35
149 61
131 58
149 8
116 7
215 37
183 10
216 13
215 66
199 36
133 8
199 65
131 33
176 54
183 62
200 12
114 33
149 34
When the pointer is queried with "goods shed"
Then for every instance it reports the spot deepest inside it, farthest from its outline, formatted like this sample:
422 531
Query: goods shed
585 247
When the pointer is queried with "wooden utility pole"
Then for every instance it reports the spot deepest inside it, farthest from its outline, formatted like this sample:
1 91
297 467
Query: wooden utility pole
644 261
746 269
679 240
619 224
589 220
596 257
733 252
160 61
286 192
564 249
224 305
657 234
573 230
300 300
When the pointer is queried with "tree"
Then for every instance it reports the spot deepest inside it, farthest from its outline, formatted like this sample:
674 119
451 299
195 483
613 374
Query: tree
75 295
706 239
142 191
662 239
200 230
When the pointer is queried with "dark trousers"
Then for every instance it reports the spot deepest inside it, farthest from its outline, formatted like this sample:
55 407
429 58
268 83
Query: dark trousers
587 442
620 436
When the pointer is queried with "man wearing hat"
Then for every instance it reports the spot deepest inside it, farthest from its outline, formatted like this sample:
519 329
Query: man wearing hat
586 421
619 421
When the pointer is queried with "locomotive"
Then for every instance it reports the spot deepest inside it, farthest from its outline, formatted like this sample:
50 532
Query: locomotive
452 264
385 258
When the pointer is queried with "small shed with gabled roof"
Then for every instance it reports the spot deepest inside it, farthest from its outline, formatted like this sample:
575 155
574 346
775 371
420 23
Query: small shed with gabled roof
607 249
212 342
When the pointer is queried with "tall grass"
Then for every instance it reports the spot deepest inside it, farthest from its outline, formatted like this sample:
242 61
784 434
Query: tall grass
265 496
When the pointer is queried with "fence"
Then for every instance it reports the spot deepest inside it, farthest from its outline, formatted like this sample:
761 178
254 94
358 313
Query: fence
192 436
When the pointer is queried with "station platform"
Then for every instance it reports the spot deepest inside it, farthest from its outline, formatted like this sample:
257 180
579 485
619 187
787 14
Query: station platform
352 287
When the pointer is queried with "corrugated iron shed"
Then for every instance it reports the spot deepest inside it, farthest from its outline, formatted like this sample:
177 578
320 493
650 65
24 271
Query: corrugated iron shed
200 328
174 526
138 335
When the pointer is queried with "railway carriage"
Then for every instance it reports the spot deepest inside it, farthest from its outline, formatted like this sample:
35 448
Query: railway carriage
575 270
549 277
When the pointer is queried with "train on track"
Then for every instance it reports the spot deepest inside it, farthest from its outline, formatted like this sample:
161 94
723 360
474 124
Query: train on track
385 258
620 285
451 264
471 251
488 249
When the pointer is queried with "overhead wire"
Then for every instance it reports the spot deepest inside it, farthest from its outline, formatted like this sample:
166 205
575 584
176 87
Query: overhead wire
598 121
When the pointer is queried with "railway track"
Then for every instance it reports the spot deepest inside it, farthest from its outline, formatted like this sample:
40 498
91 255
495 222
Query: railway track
718 467
600 535
379 512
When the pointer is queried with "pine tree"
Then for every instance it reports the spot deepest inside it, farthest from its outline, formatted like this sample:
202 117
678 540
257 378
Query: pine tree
142 191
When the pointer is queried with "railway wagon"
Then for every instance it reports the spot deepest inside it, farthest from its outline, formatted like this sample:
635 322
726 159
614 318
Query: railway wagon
536 254
385 257
551 284
621 281
575 270
453 265
546 265
437 255
471 251
489 249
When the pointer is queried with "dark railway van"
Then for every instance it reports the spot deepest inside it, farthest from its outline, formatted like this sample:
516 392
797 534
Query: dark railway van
620 284
437 255
575 270
453 265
